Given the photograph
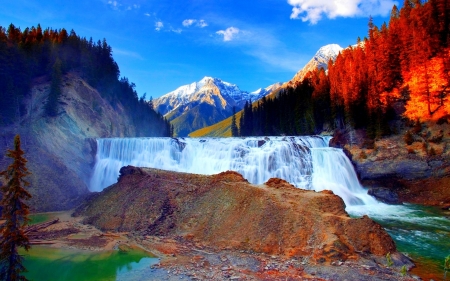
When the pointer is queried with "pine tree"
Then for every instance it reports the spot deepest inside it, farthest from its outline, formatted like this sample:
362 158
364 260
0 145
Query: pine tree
15 214
51 106
234 128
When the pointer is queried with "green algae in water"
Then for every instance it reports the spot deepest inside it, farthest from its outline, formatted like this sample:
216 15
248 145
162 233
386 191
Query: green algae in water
45 263
44 217
38 218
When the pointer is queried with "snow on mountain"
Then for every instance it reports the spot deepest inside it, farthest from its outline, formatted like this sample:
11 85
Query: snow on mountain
262 92
320 59
213 91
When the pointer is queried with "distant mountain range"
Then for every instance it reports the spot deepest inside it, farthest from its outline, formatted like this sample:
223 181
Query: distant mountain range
203 103
320 59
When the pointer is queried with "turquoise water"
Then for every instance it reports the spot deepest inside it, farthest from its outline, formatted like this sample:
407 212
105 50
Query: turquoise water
422 233
45 263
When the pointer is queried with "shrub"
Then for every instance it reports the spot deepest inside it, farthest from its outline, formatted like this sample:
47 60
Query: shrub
389 260
408 138
432 152
403 270
417 127
368 143
363 154
447 264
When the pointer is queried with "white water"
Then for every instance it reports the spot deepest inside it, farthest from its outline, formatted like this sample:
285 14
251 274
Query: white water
306 162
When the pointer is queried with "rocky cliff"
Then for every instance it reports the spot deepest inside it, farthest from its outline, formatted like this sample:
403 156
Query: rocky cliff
61 150
224 210
410 166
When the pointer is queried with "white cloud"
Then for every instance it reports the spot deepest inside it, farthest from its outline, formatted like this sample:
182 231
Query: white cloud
178 30
202 23
313 10
114 4
229 33
189 22
199 23
159 25
147 14
120 5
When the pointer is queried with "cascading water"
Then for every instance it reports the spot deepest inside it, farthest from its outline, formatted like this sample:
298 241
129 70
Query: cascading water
306 162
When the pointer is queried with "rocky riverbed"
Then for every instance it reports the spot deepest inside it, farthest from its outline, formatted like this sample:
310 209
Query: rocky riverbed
185 259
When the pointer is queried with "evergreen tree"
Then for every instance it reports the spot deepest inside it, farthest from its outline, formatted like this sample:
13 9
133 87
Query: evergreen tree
51 106
15 214
234 128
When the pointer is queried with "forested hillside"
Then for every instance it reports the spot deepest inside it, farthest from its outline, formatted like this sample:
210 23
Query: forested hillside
402 70
34 52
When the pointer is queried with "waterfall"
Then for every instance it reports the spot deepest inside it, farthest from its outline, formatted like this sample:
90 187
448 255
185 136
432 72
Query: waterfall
306 162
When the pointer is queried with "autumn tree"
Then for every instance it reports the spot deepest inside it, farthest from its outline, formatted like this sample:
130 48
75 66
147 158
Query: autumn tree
15 215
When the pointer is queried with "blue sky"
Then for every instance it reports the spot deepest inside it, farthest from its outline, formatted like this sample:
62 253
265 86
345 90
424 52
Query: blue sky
163 44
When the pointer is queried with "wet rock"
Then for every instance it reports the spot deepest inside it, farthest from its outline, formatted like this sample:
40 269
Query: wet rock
385 195
130 170
261 143
407 169
339 139
181 145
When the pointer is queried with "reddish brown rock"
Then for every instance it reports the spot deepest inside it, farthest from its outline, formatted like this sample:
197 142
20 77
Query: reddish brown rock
225 211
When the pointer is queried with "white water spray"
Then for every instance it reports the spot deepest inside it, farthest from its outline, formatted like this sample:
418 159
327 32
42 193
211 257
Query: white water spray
306 162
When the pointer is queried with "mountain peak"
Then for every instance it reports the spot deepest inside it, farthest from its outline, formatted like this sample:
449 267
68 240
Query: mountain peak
206 79
320 59
328 51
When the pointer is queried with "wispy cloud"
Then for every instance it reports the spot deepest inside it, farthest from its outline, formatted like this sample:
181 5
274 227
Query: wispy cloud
147 14
178 30
188 22
119 5
262 44
202 23
313 10
198 23
114 4
229 33
126 53
159 25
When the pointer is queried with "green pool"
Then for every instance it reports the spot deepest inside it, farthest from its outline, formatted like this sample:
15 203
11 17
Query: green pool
45 263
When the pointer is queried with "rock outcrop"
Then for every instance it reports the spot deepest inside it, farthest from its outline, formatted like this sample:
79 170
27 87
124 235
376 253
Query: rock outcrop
61 150
226 211
416 170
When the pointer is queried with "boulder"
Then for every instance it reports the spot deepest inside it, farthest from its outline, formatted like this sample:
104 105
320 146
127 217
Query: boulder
385 195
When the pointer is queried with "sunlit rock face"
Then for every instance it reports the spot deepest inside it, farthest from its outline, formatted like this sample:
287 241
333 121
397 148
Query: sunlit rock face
225 210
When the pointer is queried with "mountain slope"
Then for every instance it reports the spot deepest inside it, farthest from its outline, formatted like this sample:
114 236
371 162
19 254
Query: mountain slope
320 59
204 103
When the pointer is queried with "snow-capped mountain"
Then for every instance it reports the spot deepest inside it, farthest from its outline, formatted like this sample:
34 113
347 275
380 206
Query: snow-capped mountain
204 103
201 91
213 91
320 59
